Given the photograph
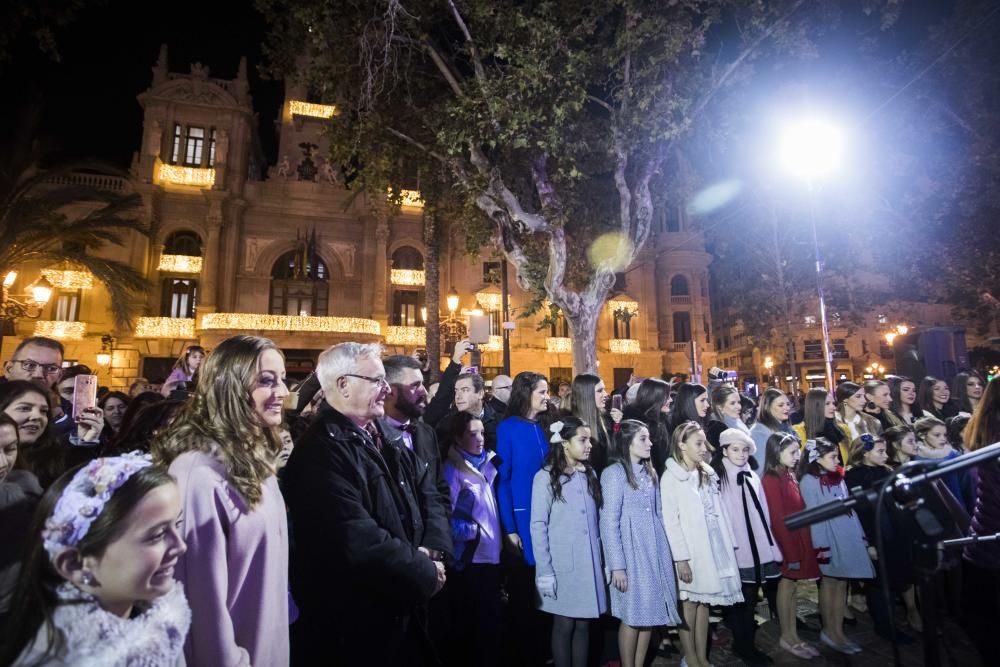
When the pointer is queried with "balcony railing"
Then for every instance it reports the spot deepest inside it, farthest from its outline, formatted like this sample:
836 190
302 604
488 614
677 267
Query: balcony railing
558 345
61 329
290 323
164 327
624 346
681 299
408 336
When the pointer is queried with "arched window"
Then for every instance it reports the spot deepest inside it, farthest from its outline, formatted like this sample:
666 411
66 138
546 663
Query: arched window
406 257
679 286
183 243
299 284
180 296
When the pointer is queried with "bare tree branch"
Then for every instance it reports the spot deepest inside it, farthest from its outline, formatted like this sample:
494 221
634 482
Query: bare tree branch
477 63
442 66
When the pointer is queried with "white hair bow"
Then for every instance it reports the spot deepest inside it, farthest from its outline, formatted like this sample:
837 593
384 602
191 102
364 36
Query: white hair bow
556 430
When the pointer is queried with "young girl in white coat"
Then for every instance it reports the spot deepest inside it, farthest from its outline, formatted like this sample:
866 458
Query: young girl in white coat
700 537
98 586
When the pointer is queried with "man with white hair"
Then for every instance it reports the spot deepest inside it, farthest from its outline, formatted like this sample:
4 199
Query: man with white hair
361 575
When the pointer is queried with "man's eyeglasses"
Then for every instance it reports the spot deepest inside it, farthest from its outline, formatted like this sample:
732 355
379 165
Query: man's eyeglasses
380 381
30 366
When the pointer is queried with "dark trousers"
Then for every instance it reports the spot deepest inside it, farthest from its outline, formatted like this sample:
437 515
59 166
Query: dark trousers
527 642
739 617
472 597
981 607
362 639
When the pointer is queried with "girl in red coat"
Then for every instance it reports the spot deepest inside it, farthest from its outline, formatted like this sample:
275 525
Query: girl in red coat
783 499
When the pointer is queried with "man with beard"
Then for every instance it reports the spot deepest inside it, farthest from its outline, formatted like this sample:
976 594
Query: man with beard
404 406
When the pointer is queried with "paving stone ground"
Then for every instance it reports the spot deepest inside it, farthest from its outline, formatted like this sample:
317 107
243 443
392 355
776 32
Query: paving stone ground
877 651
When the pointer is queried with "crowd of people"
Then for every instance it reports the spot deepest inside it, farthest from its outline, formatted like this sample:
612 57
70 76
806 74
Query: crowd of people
222 519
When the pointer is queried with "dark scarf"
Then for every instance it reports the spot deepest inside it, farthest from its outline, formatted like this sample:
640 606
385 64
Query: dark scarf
743 478
832 432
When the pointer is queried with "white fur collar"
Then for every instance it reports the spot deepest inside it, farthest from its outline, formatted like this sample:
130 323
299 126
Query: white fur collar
96 638
925 452
678 471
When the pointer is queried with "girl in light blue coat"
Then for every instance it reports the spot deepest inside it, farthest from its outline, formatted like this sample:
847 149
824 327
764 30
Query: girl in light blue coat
565 500
643 587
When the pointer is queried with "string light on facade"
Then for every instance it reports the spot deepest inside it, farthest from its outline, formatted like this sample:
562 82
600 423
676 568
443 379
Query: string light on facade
180 263
407 336
69 279
557 345
409 198
170 173
300 108
624 346
490 298
60 329
164 327
409 277
290 323
620 305
495 345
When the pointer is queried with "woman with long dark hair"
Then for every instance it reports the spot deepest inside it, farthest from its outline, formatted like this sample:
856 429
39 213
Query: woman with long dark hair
903 392
222 448
726 412
651 406
934 398
851 411
820 422
522 446
981 560
772 417
587 400
878 404
967 390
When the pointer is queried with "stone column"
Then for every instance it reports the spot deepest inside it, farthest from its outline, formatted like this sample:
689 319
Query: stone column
380 309
208 287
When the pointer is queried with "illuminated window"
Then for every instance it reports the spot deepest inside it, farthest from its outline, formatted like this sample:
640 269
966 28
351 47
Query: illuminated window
299 285
175 153
559 328
67 306
183 243
179 297
406 308
194 147
211 147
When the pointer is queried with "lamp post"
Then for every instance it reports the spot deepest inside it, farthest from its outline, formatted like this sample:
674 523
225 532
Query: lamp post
811 150
769 364
30 305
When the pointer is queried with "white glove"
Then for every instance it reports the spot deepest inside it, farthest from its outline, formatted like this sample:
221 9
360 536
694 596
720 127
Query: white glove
546 586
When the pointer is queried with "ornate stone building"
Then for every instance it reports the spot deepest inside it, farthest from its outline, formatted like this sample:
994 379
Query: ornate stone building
286 251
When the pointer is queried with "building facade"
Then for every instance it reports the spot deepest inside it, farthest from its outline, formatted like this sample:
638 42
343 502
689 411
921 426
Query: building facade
288 252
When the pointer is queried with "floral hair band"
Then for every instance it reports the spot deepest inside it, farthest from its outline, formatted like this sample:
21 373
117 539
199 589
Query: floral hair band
84 498
811 450
556 430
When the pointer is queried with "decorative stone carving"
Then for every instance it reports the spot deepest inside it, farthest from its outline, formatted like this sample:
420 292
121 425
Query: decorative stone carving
347 253
254 247
155 138
328 173
222 146
307 168
283 168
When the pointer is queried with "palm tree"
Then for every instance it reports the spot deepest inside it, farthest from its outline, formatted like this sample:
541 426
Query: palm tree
40 224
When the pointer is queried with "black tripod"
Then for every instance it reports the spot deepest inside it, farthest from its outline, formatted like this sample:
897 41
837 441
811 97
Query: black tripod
934 519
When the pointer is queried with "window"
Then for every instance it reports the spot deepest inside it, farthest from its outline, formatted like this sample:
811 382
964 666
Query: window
194 147
673 216
621 377
679 286
559 327
180 297
812 349
406 309
183 243
623 327
621 283
175 152
67 306
839 350
682 327
211 147
491 273
809 320
298 284
559 374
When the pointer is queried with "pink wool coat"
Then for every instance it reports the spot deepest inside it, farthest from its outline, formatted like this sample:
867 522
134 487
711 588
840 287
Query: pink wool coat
732 503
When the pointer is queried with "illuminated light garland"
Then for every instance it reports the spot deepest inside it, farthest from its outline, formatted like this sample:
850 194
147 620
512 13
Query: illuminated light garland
624 303
495 344
290 323
407 277
408 336
69 279
490 298
300 108
410 198
558 345
61 329
164 327
624 346
180 263
187 175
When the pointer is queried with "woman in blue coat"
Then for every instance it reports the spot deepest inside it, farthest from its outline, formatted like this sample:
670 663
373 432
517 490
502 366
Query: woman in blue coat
521 449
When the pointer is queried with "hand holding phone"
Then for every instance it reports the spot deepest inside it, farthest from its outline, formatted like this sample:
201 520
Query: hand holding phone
84 394
616 402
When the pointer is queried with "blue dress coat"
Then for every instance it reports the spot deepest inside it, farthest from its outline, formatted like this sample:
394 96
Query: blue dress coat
522 447
634 540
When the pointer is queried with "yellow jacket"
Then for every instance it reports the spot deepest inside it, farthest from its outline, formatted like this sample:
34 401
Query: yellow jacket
845 444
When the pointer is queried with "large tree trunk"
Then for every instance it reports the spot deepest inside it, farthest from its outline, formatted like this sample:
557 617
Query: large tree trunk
583 331
432 293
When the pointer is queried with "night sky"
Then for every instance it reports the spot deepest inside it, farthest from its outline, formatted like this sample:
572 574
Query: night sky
89 106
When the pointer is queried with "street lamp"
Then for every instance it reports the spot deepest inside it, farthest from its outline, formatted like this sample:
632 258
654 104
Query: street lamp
901 330
39 293
811 150
875 370
452 300
769 364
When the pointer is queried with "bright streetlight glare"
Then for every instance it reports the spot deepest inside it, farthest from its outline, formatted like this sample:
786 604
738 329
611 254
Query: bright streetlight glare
811 149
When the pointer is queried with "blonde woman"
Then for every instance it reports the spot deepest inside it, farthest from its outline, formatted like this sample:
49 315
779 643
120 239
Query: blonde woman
221 448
